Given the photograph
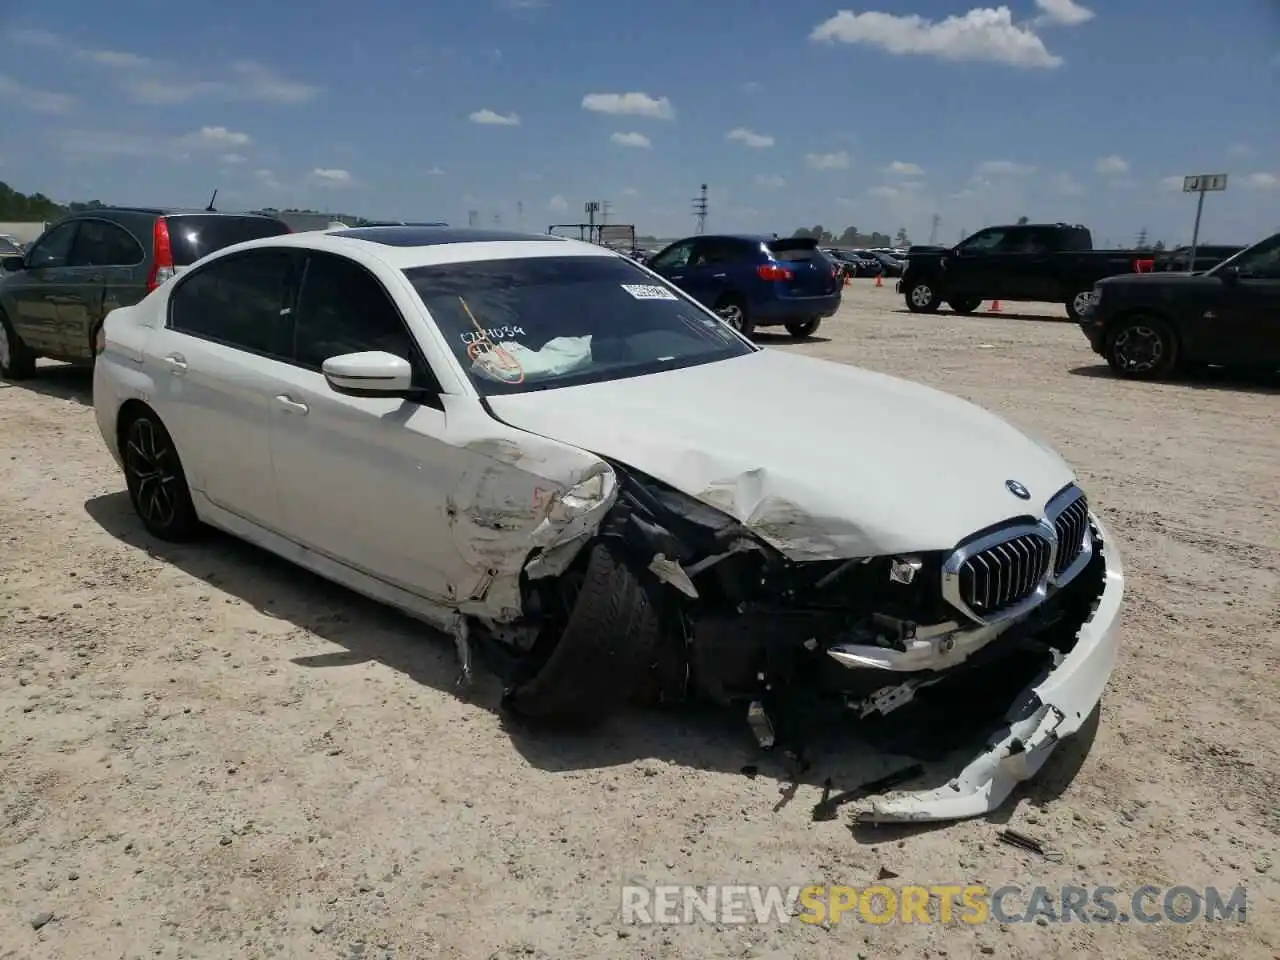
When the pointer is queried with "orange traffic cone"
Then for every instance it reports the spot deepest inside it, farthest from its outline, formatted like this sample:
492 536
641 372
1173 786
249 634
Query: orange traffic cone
879 279
995 306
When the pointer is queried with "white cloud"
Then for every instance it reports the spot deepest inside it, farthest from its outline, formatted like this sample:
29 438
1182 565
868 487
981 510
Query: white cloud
1004 168
901 169
749 138
1066 185
766 180
1112 166
38 101
1240 150
827 161
34 38
331 177
558 204
487 117
638 140
884 193
434 172
629 104
983 34
1262 181
215 138
234 158
630 192
268 179
1066 13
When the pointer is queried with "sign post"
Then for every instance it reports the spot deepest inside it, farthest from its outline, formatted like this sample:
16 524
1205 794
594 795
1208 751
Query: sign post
1200 183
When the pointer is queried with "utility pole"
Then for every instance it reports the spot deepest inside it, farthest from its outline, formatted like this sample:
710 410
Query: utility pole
933 231
497 219
700 210
605 210
520 214
473 216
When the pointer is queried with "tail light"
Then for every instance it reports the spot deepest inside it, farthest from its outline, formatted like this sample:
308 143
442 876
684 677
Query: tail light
773 272
162 265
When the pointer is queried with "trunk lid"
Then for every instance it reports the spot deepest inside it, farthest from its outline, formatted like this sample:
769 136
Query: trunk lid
812 273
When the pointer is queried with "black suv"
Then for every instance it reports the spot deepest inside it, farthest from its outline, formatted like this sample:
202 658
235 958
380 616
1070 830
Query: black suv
1153 325
54 297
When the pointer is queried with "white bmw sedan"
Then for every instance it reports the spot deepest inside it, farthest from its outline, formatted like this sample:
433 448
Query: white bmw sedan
541 447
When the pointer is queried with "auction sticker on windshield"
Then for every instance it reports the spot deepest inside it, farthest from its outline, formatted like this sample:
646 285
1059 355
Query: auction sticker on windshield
644 291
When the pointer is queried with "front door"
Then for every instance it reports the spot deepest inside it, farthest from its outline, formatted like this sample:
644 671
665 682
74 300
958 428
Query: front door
980 267
34 296
366 480
1249 315
221 359
673 264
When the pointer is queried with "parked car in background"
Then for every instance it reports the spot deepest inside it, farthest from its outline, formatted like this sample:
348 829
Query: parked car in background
754 281
1207 257
540 447
54 297
9 246
1154 325
892 266
1053 262
854 263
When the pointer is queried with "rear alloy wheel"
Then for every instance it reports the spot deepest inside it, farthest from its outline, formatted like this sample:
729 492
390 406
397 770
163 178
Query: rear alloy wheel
922 298
803 328
157 485
1078 304
964 307
17 362
1143 348
734 312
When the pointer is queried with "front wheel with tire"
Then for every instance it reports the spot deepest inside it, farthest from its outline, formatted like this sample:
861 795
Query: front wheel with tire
803 328
922 297
733 311
965 307
602 655
17 362
1142 348
156 481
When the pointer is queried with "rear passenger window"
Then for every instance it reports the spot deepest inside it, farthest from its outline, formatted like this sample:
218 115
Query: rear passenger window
240 301
344 309
103 244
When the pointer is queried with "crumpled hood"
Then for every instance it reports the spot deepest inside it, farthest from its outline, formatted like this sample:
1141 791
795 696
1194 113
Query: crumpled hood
820 459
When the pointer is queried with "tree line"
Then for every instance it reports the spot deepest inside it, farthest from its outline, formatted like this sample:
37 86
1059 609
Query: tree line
852 237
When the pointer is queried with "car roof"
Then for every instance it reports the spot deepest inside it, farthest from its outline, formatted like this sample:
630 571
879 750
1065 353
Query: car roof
403 248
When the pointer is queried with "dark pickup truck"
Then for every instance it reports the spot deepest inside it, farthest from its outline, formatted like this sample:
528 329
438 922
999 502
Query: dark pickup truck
1047 262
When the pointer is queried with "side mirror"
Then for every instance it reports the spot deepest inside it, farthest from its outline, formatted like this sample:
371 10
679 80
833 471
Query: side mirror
370 374
12 264
1230 274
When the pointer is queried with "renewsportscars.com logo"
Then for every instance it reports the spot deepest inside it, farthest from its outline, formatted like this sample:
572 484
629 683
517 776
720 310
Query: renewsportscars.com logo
971 904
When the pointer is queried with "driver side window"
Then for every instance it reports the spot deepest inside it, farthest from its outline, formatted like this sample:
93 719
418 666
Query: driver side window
673 257
1261 264
53 249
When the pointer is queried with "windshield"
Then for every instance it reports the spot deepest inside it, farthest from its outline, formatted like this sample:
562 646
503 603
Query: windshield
542 322
1260 260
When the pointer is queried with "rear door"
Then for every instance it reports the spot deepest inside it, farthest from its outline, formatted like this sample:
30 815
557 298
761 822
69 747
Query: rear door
32 298
194 235
220 361
101 274
812 273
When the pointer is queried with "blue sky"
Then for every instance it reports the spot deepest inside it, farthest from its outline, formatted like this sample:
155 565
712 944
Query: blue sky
795 114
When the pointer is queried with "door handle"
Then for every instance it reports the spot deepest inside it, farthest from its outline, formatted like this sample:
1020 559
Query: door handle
677 276
719 276
291 405
177 362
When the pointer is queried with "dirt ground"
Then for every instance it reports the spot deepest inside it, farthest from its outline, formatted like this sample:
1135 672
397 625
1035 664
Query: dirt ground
208 753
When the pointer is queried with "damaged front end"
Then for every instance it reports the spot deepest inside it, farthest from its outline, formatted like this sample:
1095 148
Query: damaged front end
671 599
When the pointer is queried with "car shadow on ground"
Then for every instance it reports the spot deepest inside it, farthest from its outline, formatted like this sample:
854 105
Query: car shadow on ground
65 381
938 735
768 337
988 315
1209 378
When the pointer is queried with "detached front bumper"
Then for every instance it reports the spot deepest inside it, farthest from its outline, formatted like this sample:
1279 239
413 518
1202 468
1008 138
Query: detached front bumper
1037 722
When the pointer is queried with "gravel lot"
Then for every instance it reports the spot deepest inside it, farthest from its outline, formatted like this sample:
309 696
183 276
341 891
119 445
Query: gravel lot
208 753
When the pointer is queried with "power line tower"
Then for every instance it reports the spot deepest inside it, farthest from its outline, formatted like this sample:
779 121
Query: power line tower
1142 239
473 217
933 230
700 210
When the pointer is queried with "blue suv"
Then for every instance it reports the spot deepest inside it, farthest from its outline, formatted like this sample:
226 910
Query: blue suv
755 281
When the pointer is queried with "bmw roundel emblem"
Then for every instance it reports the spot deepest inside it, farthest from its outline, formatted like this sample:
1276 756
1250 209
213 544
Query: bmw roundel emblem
1017 489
